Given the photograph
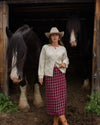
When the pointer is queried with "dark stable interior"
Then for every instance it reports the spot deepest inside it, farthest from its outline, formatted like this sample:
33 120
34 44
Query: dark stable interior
43 16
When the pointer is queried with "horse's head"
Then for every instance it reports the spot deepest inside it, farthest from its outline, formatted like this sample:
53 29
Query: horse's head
16 54
73 27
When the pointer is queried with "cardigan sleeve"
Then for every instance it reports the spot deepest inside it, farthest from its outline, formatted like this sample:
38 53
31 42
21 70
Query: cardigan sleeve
41 63
65 58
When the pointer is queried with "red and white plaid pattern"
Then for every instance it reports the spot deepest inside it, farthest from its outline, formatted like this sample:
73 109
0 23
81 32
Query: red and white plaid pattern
56 95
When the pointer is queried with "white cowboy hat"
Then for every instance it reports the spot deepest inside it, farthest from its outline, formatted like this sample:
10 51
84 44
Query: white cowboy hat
54 30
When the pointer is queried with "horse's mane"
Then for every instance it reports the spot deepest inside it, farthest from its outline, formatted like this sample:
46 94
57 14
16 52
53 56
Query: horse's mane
73 23
24 41
23 28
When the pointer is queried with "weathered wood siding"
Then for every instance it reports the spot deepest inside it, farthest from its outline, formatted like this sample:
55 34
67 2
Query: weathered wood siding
49 1
3 46
96 49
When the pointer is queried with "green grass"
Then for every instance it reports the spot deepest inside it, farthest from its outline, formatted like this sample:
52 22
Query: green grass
93 106
6 105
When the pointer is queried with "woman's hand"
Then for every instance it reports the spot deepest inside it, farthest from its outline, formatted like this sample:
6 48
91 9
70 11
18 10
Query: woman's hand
41 80
62 65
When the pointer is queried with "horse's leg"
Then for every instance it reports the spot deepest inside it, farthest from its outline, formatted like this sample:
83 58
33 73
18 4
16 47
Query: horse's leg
23 103
86 82
37 98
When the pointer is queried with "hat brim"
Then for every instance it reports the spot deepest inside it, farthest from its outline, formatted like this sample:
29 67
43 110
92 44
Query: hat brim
60 33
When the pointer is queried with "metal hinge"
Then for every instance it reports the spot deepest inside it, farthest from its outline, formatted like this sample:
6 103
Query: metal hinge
94 76
94 54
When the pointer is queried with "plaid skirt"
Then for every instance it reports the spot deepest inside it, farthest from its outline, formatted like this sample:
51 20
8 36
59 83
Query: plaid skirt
56 93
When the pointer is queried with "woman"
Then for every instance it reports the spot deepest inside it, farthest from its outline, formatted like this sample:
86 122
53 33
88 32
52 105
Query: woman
53 62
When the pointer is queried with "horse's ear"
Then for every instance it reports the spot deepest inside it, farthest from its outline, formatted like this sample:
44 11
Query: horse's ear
8 32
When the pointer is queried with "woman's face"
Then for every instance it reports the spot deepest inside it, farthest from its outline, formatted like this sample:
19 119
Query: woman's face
54 37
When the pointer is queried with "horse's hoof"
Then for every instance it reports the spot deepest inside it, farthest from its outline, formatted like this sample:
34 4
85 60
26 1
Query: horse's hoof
24 108
86 84
38 105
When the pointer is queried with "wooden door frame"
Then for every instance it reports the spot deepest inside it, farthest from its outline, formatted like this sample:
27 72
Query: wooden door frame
47 1
96 50
3 45
4 23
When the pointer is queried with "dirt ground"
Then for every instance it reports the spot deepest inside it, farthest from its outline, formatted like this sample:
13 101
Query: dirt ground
76 101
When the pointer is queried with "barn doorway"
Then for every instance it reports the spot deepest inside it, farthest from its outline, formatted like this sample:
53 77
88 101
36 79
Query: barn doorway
42 17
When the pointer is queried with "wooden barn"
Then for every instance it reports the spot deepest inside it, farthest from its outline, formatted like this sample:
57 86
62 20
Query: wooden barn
14 13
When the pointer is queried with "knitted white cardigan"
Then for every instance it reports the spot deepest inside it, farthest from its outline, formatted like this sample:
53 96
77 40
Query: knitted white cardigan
50 56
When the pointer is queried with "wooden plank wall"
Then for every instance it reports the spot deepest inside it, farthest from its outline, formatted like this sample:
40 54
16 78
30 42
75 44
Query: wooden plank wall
1 48
96 50
3 44
48 1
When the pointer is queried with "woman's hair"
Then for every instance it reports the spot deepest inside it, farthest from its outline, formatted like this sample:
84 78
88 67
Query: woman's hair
59 41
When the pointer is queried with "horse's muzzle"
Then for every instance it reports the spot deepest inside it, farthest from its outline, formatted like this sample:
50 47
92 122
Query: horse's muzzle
16 79
73 43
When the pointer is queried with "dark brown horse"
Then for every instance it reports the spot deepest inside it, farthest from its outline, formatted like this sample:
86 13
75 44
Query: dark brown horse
23 51
80 36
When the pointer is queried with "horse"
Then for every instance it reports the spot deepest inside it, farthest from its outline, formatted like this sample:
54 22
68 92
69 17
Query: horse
23 52
80 36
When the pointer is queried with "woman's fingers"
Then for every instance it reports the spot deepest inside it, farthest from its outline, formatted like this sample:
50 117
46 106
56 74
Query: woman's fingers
40 83
41 80
62 65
